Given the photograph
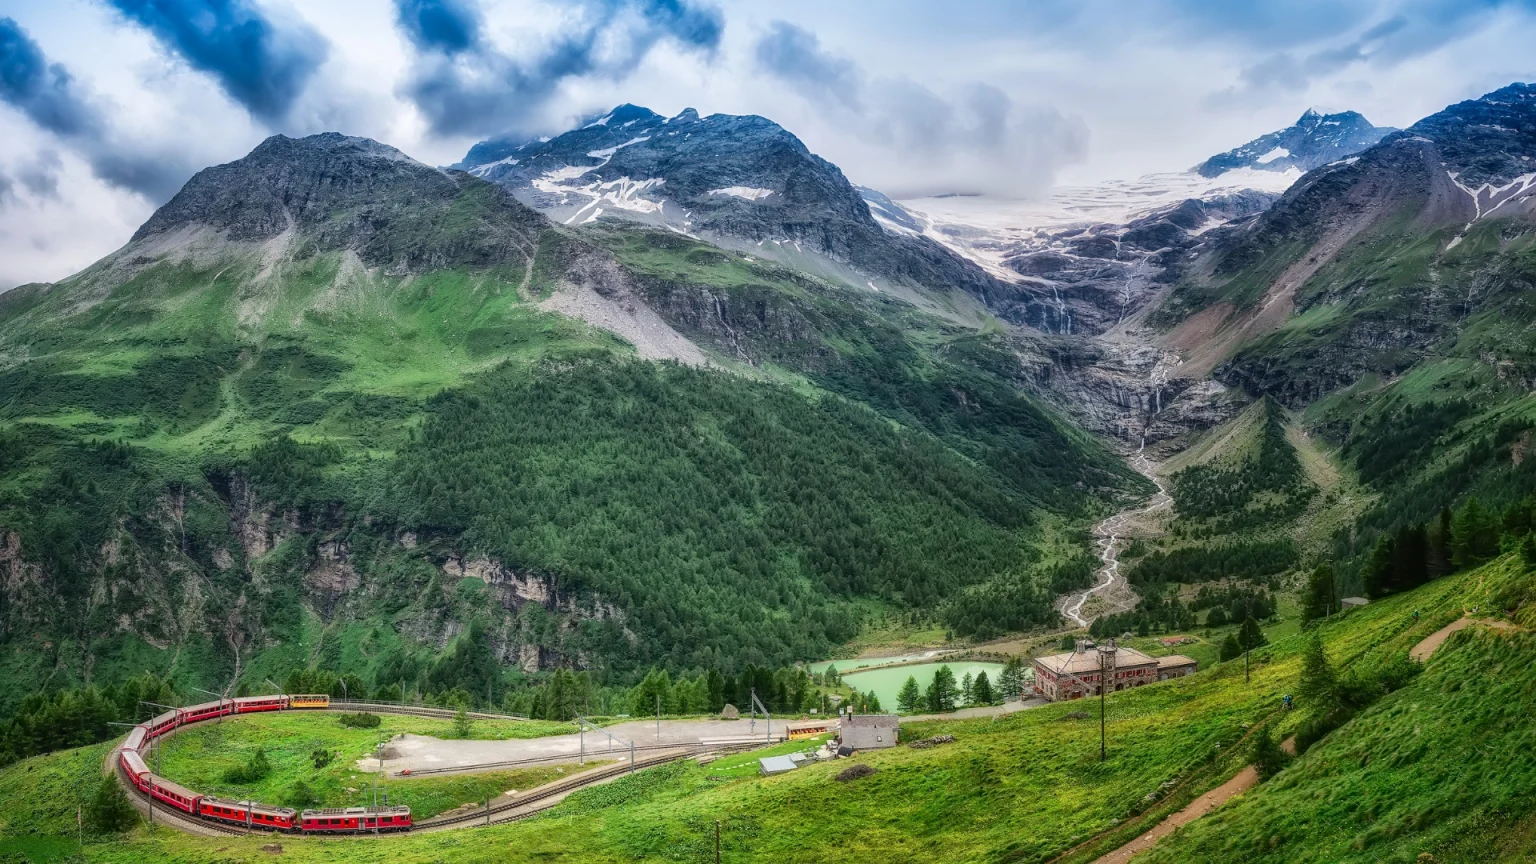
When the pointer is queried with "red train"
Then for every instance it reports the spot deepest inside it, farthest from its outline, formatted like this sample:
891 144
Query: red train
351 820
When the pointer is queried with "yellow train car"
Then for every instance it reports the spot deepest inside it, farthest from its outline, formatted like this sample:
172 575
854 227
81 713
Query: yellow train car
809 731
309 701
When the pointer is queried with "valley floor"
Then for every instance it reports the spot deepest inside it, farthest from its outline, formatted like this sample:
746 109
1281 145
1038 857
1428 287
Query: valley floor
1439 761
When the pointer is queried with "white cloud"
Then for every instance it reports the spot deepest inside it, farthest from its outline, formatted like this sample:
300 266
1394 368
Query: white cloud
1139 80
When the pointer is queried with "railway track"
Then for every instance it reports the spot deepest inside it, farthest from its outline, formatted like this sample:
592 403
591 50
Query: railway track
167 816
531 803
418 711
545 797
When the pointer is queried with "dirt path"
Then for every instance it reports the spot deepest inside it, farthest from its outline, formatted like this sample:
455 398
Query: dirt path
1422 651
1109 533
1241 782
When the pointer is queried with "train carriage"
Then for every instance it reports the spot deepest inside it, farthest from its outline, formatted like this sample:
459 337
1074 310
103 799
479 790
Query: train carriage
162 724
172 794
356 820
254 815
252 704
135 739
205 711
310 700
133 765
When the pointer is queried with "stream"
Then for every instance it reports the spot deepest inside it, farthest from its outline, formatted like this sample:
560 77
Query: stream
1108 533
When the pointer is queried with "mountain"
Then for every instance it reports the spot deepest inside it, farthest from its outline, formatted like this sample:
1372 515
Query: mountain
741 182
1312 142
329 397
1388 298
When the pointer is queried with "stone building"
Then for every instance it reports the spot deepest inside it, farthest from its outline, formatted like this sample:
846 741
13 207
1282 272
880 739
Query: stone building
869 731
1078 672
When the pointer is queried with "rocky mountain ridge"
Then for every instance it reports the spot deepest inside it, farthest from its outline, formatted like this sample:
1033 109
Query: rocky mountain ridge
740 182
1313 141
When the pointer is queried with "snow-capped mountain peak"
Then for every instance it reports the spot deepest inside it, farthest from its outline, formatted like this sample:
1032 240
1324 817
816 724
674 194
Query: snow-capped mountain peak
1314 140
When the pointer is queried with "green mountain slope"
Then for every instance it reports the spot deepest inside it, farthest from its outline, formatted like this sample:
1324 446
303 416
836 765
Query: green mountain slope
1440 764
1388 300
333 407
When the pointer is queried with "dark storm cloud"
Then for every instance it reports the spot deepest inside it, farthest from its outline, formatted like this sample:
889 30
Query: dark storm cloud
971 141
449 26
260 63
463 84
55 102
43 91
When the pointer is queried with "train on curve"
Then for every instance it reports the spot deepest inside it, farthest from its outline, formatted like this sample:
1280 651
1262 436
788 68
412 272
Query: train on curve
250 814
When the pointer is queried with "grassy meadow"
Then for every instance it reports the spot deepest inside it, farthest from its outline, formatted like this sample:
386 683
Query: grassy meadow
1423 761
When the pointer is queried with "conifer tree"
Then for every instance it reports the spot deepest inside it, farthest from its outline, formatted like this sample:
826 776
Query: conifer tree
942 691
1267 756
982 690
910 699
1231 648
1319 598
109 811
1319 686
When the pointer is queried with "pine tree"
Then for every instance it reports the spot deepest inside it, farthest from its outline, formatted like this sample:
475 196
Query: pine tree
1011 681
1231 648
1268 758
910 699
1250 635
462 727
109 811
1528 551
872 703
1319 598
1379 577
1319 686
967 692
1439 563
982 690
1474 535
942 691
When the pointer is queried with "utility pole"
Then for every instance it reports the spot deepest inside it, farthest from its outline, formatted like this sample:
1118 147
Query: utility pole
658 716
1247 616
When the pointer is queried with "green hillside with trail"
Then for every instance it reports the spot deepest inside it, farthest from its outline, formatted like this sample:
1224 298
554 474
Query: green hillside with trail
1427 764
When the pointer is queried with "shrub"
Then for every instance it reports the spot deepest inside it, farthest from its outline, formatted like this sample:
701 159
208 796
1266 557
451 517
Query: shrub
301 795
360 720
854 772
1267 756
251 772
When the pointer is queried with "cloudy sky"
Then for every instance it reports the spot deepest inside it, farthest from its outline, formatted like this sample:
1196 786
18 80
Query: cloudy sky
106 106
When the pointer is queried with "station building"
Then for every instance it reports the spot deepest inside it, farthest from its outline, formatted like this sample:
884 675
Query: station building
1078 673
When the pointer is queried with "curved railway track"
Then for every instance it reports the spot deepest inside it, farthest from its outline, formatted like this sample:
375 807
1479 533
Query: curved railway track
530 803
163 815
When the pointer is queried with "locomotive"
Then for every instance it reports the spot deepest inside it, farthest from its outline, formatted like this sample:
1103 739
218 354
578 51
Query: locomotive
249 814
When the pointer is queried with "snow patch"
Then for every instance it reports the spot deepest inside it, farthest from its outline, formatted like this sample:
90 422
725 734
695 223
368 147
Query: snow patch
482 170
1277 153
603 121
748 193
